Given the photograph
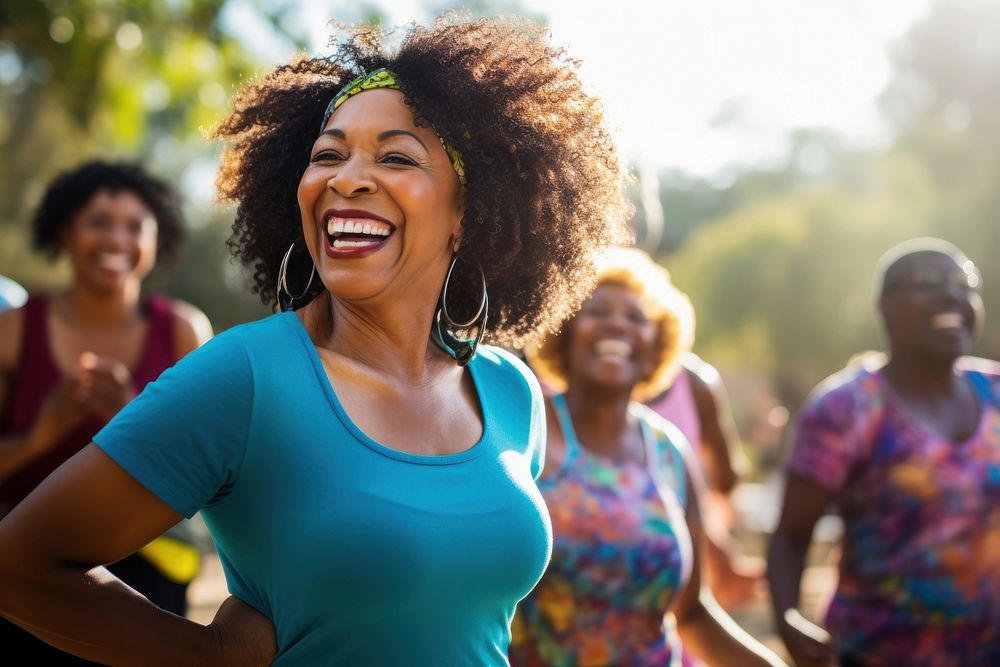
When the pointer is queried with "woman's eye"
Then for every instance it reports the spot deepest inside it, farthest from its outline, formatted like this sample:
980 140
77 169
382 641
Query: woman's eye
396 158
326 156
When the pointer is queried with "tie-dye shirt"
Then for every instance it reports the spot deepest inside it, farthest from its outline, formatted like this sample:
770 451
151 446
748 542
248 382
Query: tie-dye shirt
920 565
621 554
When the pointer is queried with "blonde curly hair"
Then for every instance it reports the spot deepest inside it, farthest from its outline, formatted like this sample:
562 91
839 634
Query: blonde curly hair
665 305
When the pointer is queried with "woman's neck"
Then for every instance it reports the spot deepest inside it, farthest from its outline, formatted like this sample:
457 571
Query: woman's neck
102 309
392 339
920 378
600 418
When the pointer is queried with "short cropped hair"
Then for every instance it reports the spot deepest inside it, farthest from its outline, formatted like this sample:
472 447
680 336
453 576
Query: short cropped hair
887 267
71 190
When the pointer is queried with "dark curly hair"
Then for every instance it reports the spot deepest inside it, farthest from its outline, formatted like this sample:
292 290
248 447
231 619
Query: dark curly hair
544 181
71 190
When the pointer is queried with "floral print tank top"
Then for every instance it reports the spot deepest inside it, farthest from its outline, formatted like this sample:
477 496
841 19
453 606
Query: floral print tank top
621 553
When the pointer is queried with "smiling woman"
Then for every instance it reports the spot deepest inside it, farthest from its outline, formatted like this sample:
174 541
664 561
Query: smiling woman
907 447
364 459
623 490
70 361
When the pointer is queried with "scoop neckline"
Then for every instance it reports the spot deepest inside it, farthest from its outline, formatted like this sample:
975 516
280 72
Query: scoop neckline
419 459
575 449
982 408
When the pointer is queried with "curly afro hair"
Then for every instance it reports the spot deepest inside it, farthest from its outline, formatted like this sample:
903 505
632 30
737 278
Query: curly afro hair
665 305
71 190
544 183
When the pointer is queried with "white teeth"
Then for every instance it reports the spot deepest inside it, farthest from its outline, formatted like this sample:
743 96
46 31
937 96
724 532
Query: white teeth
613 347
947 321
349 226
339 244
115 261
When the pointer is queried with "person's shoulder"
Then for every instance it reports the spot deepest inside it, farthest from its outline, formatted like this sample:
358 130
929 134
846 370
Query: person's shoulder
191 325
847 394
500 359
987 367
11 332
266 336
10 320
662 428
507 368
700 371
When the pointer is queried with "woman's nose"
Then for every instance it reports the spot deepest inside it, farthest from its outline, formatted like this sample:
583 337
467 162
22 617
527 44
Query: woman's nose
119 236
352 178
617 322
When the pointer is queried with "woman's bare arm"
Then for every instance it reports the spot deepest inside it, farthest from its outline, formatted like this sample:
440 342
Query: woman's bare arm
804 504
53 546
705 628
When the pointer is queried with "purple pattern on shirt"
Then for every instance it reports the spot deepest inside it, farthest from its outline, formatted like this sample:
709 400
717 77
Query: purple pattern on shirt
920 568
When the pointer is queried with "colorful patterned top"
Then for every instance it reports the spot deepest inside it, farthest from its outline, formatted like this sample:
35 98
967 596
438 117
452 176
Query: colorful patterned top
621 553
920 568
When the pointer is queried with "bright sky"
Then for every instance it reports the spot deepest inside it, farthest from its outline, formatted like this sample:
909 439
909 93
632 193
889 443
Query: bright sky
707 84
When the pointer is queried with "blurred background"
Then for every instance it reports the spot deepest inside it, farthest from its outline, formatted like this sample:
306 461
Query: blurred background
778 146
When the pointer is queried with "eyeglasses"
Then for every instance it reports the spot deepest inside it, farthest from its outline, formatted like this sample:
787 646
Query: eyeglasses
932 278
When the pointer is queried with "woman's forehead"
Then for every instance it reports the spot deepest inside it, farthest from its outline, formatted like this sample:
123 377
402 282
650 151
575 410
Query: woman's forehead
925 258
383 107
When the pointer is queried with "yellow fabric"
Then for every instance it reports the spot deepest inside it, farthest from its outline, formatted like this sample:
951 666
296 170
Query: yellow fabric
383 78
178 561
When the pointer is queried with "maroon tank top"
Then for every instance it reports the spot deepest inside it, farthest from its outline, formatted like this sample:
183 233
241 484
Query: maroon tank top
37 376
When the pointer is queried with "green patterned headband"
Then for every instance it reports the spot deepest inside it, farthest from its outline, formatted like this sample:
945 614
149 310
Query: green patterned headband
383 78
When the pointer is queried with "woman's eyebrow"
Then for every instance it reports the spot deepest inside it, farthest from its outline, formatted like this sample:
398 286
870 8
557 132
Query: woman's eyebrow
395 133
382 136
334 132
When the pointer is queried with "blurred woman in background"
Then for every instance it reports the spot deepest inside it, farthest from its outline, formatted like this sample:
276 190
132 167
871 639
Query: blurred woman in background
70 361
624 492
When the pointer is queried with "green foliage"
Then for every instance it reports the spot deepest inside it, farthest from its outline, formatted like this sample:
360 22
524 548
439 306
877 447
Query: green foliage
98 78
777 261
779 265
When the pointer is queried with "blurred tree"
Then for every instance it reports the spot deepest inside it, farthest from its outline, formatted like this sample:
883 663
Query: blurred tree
97 78
782 286
943 101
779 262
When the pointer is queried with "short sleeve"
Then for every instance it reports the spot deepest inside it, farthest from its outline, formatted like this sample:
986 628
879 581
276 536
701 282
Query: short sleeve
184 437
827 444
538 432
516 402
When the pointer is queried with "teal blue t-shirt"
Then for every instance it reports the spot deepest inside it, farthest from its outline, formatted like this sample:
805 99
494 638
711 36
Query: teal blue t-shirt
360 554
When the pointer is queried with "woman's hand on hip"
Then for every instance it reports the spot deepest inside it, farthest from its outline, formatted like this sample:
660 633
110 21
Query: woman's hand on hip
246 636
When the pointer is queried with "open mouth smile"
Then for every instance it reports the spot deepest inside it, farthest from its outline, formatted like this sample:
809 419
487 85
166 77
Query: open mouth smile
612 348
116 261
950 320
355 233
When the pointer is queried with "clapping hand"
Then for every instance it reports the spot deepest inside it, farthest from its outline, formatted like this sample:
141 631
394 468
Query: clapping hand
104 385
